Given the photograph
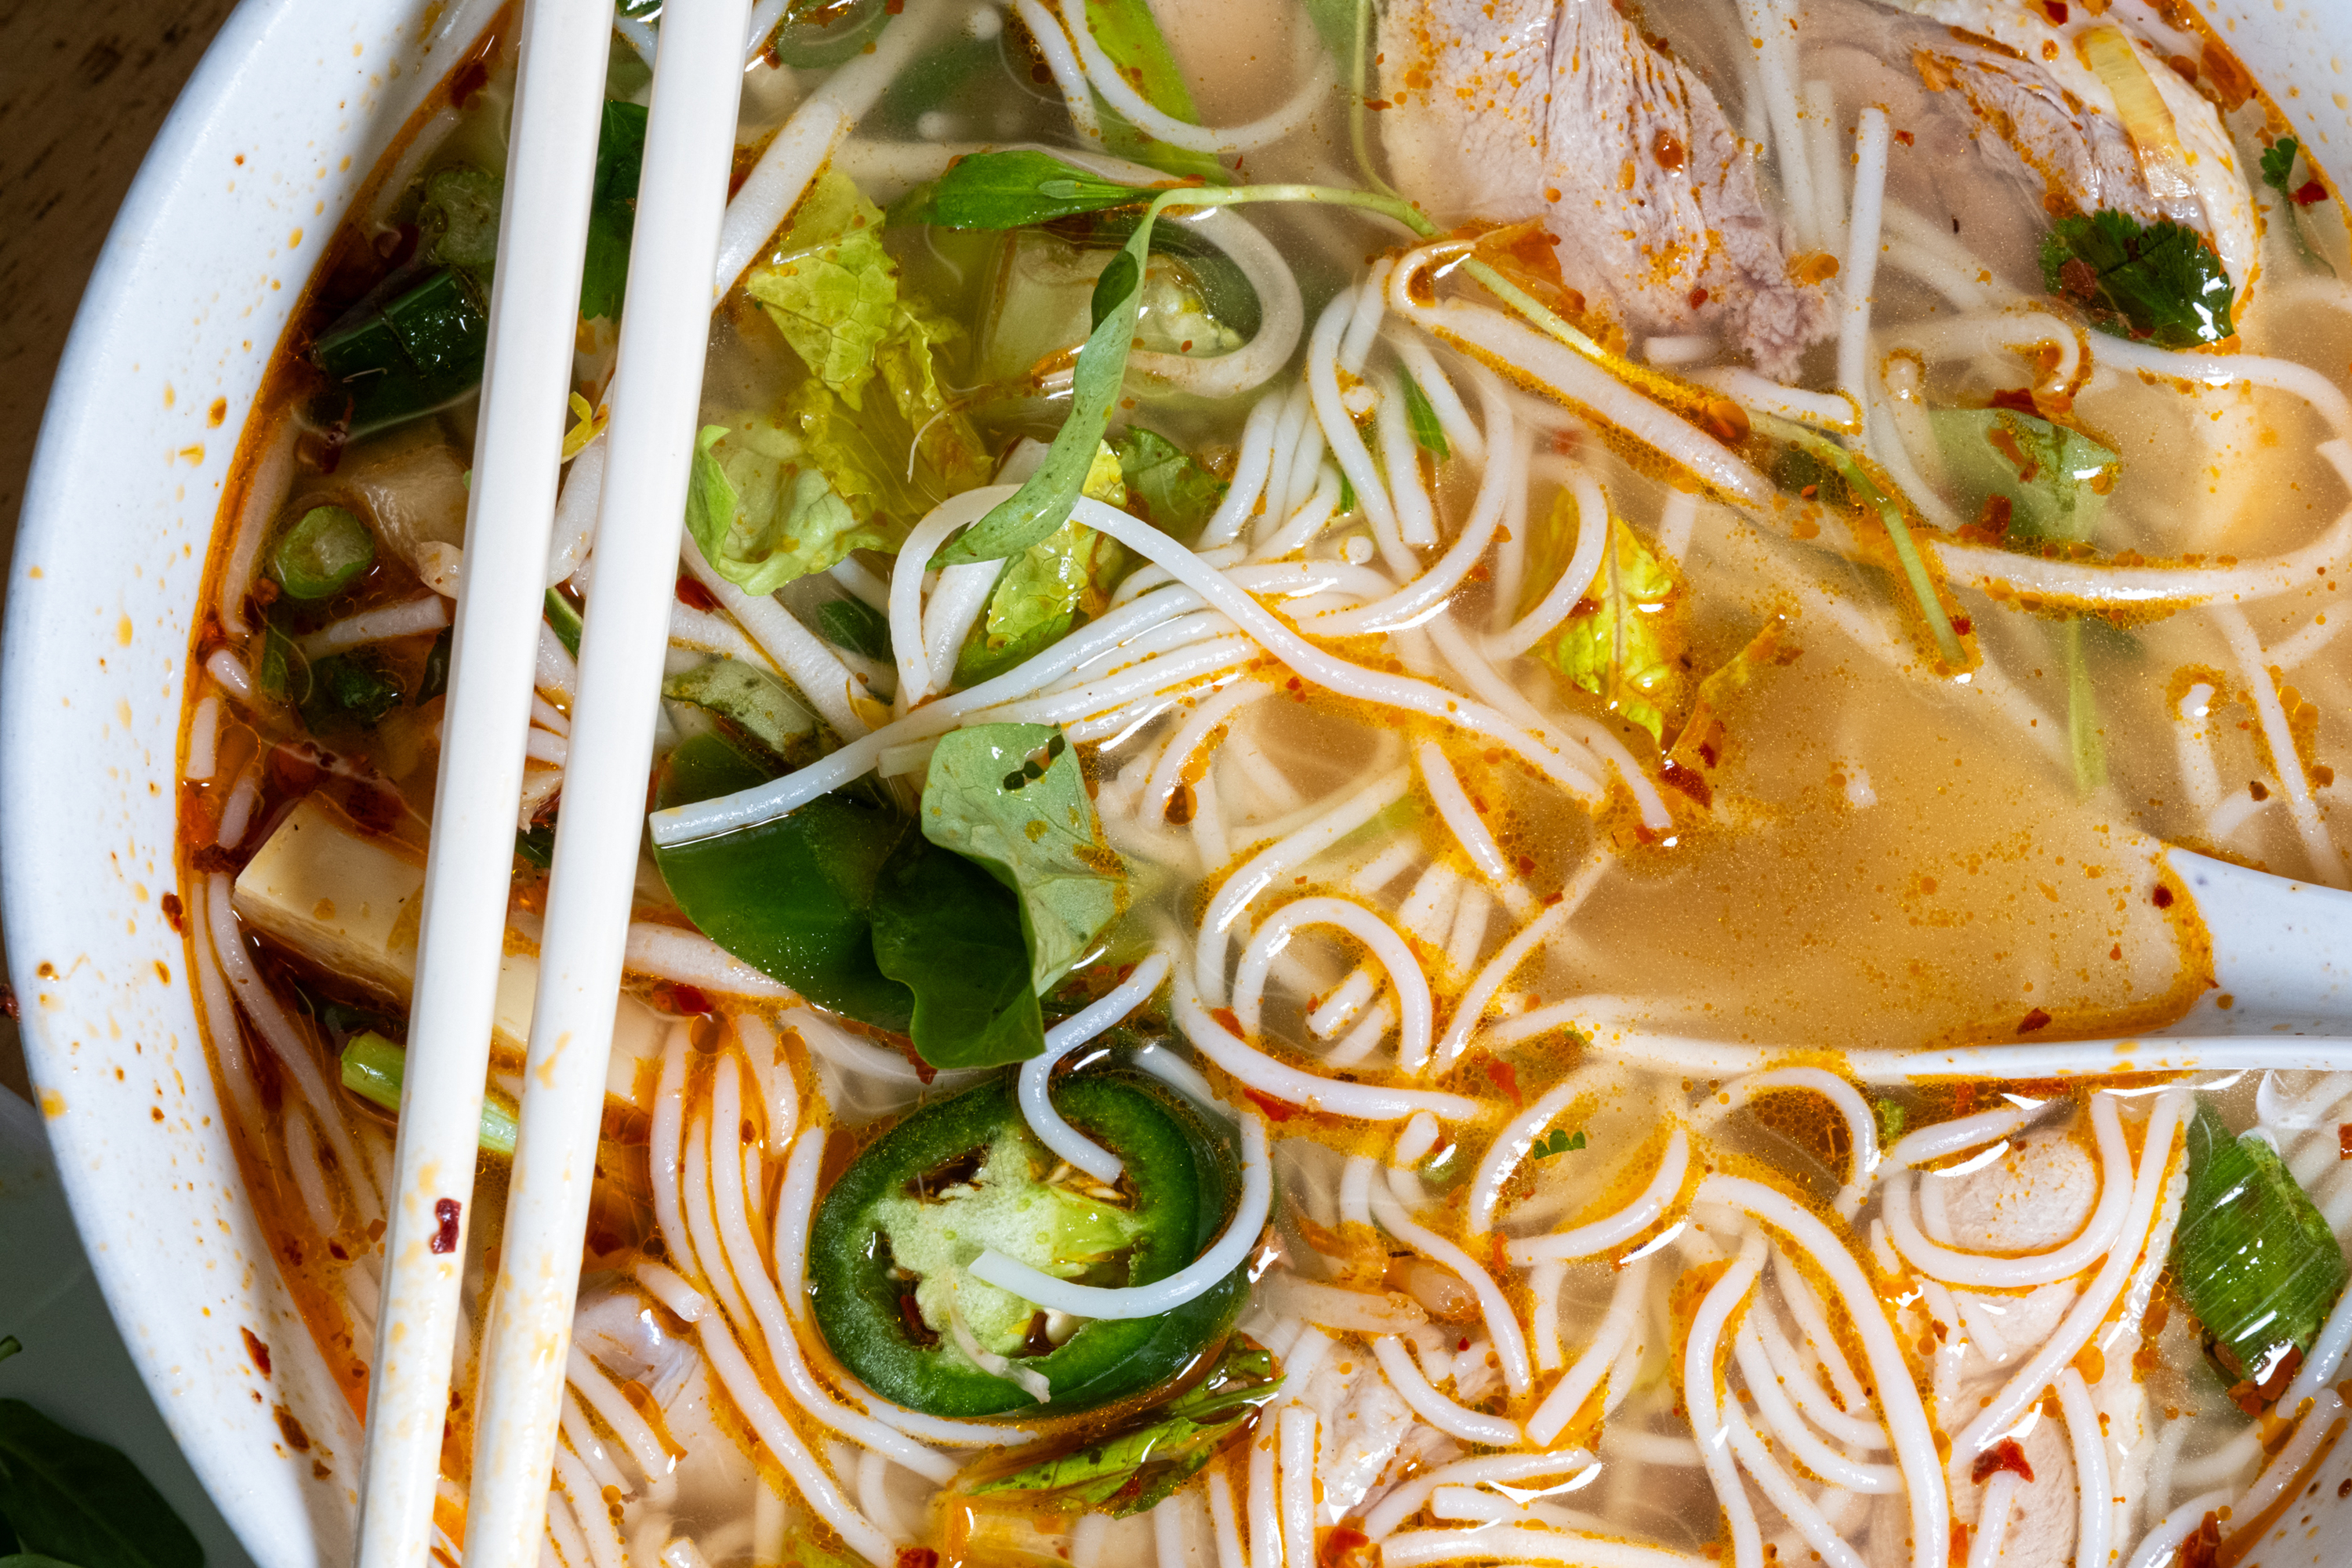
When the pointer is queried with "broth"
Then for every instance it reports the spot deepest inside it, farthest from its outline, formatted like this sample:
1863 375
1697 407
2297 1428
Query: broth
1734 685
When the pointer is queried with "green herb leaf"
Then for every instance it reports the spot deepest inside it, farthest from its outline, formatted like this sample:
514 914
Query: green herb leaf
1015 190
944 929
2278 165
351 685
1422 419
1129 35
1044 503
2158 281
536 844
563 620
73 1499
373 1068
764 515
10 1345
33 1559
830 286
1176 491
1623 641
435 682
2055 481
2253 1258
1133 1471
792 897
612 209
856 626
752 701
459 217
1044 590
816 34
418 351
1014 798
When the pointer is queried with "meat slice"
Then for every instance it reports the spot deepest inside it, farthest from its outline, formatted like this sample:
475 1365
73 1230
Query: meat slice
1509 110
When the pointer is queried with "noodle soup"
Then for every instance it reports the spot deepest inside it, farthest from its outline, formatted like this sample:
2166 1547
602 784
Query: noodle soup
1315 778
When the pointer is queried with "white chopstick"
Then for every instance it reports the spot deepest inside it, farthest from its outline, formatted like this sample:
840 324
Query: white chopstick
533 319
649 446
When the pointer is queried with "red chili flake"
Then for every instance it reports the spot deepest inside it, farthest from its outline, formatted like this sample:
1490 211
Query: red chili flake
2344 1141
2161 897
2309 192
1343 1546
2032 1021
1698 298
2203 1547
2056 11
1905 137
444 1240
683 998
1226 1019
910 1318
173 912
695 597
257 1350
1505 1077
2004 1455
1276 1110
8 998
1963 625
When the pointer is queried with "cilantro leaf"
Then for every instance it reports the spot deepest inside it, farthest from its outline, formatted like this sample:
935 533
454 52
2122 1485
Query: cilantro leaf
2278 165
2159 282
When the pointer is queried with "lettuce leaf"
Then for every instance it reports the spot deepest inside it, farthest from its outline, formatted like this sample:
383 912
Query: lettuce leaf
1177 490
830 286
1623 642
1044 589
764 513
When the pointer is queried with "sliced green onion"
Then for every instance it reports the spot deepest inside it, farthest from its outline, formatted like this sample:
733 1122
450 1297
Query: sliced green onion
322 552
564 621
373 1066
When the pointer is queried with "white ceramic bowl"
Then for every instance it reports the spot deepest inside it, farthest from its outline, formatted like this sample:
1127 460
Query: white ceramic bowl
289 110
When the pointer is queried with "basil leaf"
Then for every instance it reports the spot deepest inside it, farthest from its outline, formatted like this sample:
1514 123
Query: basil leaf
792 897
2159 281
1013 190
1013 798
77 1501
946 930
612 209
1135 1470
1422 419
856 626
1045 501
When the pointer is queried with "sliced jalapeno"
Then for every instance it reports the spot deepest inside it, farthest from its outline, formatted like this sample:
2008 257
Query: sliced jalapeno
893 1240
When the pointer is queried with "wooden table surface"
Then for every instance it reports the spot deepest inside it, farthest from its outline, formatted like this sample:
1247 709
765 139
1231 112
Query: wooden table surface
84 85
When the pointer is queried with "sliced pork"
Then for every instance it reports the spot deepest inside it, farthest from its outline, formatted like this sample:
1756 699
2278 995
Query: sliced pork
1560 110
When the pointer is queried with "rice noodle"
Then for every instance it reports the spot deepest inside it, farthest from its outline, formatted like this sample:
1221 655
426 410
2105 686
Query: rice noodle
1035 1075
1914 1442
1994 1510
1297 1430
1409 1497
1394 954
1524 1543
807 661
288 1043
1455 808
1796 1382
701 1217
1530 358
1250 469
1871 137
1223 1525
1622 1226
1231 905
1628 1303
1861 1125
1782 1418
1335 1097
636 1437
1703 1397
1783 1492
1339 429
1952 1137
2090 1309
2101 1232
664 1140
1513 1143
1226 1253
1470 1426
1106 78
603 1537
265 489
1775 43
1400 464
2286 762
2006 572
1502 1324
2157 1546
1461 432
1426 595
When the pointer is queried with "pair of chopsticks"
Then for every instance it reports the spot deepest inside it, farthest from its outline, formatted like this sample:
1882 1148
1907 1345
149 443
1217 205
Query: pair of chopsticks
656 391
